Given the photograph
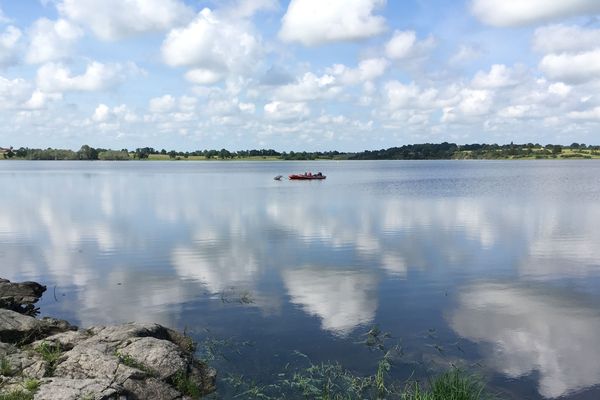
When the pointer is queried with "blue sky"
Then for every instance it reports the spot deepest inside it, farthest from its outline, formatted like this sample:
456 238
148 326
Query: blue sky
297 75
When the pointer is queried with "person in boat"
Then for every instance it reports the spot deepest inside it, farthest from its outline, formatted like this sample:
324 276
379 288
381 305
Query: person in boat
319 174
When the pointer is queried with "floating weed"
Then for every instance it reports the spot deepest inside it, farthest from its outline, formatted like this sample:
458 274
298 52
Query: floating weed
375 338
246 298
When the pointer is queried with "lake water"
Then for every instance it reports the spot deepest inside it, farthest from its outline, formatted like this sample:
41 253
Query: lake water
493 267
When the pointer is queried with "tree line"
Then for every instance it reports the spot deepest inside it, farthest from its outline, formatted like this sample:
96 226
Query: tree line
424 151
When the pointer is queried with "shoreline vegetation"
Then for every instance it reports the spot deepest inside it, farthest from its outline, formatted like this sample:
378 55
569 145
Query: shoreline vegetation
43 359
425 151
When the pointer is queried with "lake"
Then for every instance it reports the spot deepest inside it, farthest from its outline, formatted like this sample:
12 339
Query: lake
489 266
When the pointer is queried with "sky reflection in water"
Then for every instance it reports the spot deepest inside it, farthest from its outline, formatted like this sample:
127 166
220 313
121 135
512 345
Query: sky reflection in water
500 255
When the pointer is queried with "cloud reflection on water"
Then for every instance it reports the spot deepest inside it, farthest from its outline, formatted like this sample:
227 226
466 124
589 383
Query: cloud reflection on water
342 299
533 329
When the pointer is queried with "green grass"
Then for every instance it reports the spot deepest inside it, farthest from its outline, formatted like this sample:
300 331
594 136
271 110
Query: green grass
31 385
5 367
452 385
126 359
16 395
50 353
185 385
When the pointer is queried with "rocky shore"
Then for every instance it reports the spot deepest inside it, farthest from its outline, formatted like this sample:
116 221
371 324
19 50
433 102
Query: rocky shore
50 359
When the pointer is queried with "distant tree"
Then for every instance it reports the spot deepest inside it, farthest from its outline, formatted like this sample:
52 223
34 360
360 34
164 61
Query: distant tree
87 153
557 149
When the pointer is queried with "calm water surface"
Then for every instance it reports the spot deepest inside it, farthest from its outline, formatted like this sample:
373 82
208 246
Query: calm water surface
490 266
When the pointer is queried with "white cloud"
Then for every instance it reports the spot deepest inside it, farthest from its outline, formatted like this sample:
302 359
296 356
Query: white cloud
572 68
404 45
104 114
286 112
589 115
409 96
39 100
9 45
162 104
187 103
51 40
309 87
212 47
53 77
522 12
203 76
247 8
13 92
367 70
499 76
565 38
101 113
116 19
559 89
314 22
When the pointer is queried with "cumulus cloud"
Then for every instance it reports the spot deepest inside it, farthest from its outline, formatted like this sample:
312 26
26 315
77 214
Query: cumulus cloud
162 104
572 68
309 87
116 19
589 115
211 46
499 76
404 96
9 45
404 45
55 77
565 38
286 112
51 40
367 70
13 92
40 100
104 114
314 22
523 12
202 76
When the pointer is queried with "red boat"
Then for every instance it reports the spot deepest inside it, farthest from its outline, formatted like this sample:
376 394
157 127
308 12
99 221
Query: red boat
307 176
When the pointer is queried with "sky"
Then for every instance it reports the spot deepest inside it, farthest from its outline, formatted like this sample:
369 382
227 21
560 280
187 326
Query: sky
343 75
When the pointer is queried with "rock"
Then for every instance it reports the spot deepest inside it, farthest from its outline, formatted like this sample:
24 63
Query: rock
162 357
28 364
23 329
139 357
78 389
20 297
122 362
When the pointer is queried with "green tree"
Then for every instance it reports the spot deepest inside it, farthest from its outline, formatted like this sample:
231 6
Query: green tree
87 153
